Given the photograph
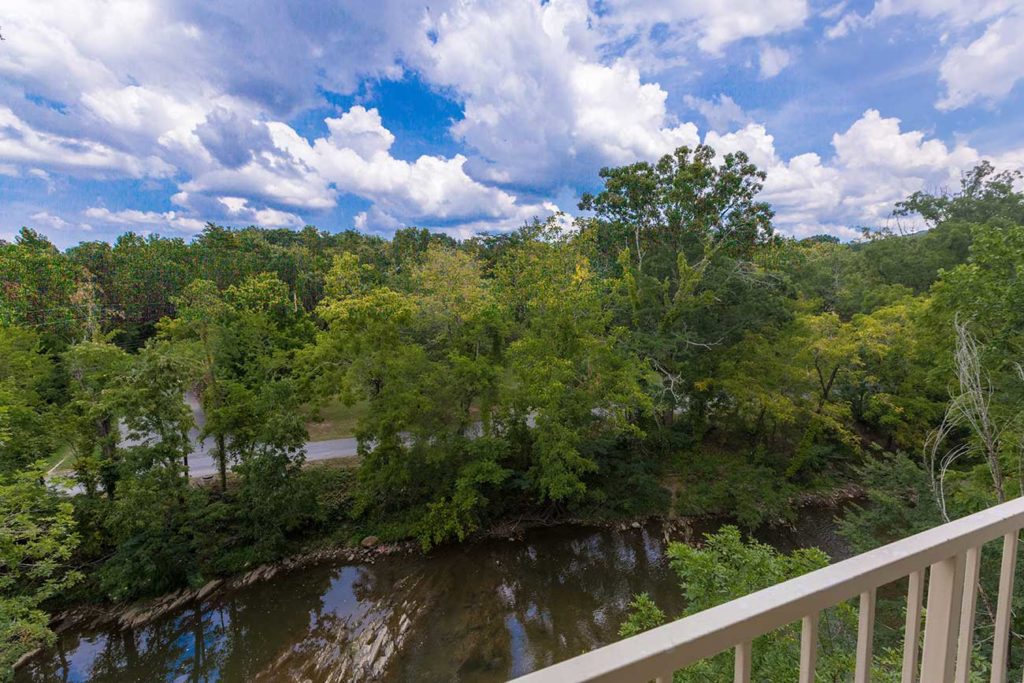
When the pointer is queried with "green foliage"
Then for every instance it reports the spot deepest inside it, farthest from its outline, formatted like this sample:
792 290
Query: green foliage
900 502
544 373
750 489
40 289
37 539
645 615
725 568
27 420
93 370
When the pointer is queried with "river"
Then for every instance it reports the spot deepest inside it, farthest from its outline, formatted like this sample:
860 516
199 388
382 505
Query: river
477 612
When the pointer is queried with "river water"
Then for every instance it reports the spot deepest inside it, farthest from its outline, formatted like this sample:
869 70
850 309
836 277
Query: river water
478 612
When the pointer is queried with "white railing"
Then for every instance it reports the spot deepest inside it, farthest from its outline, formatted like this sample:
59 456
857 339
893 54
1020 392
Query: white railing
950 553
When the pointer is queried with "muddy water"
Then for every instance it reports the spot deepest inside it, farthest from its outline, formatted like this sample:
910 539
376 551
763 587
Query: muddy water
479 612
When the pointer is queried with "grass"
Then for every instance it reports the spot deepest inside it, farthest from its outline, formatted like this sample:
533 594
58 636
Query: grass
338 421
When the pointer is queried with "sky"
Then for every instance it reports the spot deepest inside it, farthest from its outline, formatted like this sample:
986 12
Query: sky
461 115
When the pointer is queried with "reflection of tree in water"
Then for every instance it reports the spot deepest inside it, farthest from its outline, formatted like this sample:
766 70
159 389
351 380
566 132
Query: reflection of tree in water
231 641
487 611
266 616
150 654
492 610
338 642
510 608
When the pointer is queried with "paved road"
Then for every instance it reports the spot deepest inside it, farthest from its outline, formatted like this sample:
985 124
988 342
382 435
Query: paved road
202 464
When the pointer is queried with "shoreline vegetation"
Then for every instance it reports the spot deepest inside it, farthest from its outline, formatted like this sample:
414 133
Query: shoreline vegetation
141 613
665 353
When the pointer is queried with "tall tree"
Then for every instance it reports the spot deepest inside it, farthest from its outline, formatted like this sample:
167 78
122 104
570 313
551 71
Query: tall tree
37 539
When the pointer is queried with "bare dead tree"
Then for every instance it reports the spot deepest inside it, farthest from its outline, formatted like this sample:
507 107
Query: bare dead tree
969 408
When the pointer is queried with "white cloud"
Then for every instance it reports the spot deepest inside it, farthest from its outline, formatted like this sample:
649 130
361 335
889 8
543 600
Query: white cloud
715 24
958 12
539 107
773 60
955 14
212 116
63 48
877 142
355 158
239 209
22 144
989 67
982 68
143 219
550 92
44 219
720 113
875 165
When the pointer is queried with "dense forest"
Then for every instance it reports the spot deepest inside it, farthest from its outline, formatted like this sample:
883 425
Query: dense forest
666 353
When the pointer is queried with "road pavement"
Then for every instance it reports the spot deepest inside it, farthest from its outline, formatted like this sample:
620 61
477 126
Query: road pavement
202 464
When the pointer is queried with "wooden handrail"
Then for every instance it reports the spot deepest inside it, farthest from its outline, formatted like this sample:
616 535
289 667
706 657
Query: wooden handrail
649 655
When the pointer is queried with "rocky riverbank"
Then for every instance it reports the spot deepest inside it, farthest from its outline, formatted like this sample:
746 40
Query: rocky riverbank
140 613
374 642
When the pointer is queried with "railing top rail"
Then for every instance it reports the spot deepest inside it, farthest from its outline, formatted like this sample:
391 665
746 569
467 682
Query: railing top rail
685 641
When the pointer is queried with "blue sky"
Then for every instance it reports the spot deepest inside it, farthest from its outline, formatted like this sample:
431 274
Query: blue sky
461 115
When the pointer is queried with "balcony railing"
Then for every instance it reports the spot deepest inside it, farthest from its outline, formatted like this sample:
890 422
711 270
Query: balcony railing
950 555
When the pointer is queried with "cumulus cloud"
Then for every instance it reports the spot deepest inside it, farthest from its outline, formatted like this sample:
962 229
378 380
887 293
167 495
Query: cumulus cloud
773 60
989 67
538 106
984 68
20 143
214 116
45 219
875 164
720 113
549 92
714 24
231 138
146 219
238 209
355 158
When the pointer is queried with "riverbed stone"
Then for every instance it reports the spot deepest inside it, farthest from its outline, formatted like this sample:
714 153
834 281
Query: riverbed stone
209 588
370 542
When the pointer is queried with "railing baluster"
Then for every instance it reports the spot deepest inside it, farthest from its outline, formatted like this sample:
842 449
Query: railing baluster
865 636
945 592
1001 643
970 601
912 630
808 648
742 670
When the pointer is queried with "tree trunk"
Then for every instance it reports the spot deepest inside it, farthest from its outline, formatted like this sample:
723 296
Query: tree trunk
108 449
222 462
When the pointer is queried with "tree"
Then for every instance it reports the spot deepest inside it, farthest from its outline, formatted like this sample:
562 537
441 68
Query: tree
39 289
684 203
571 372
680 237
725 568
428 366
37 539
27 417
203 323
146 274
244 340
985 195
94 370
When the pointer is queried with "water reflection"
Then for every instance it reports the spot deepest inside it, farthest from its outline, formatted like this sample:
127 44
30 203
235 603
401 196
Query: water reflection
477 613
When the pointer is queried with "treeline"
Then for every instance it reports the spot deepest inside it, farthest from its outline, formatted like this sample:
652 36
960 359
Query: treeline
667 350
